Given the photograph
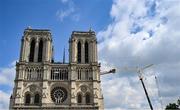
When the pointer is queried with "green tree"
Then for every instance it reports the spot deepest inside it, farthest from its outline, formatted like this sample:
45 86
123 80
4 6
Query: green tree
178 102
173 106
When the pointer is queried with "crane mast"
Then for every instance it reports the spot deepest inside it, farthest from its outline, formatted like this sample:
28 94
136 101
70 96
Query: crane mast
140 72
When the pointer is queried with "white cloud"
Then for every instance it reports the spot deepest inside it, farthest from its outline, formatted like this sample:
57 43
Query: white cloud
4 102
142 32
64 13
64 1
70 11
7 76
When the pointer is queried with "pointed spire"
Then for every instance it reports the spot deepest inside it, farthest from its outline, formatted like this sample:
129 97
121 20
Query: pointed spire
90 29
29 27
64 56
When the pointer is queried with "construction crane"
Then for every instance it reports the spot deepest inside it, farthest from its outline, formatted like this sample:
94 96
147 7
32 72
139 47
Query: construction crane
140 73
107 72
159 95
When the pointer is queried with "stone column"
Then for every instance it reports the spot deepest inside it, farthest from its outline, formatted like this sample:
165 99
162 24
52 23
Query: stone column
50 51
73 78
44 56
70 50
47 52
95 51
94 73
90 51
45 86
18 92
36 50
22 50
74 51
21 72
27 50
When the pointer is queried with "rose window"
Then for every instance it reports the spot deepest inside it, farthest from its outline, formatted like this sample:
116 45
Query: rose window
59 95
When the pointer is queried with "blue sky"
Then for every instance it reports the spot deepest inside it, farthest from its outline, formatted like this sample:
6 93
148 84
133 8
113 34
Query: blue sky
131 33
16 15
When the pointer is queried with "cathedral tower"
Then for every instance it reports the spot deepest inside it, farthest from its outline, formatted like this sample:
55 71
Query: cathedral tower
41 83
85 68
36 46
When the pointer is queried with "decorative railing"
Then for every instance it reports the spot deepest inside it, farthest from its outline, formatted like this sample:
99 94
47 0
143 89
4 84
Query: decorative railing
84 73
34 73
61 104
59 73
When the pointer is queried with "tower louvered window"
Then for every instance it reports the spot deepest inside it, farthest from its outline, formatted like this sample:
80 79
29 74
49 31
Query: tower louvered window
86 53
40 52
32 49
79 52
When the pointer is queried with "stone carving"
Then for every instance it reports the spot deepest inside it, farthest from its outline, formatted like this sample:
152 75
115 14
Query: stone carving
32 88
44 95
95 95
59 95
73 95
83 88
18 95
25 84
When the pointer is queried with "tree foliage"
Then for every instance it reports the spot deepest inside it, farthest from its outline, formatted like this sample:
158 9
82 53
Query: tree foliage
173 106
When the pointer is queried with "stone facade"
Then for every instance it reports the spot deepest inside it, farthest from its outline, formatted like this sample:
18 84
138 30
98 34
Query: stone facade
41 83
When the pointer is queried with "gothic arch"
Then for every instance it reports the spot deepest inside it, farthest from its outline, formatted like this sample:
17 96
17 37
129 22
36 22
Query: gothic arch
82 87
79 97
32 88
40 50
27 98
86 52
37 98
88 98
79 52
32 50
54 85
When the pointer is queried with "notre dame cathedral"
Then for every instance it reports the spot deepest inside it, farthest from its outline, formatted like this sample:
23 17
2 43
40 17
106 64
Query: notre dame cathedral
42 83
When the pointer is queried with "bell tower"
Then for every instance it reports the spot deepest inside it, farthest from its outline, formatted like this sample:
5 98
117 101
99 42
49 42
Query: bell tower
32 70
36 46
85 74
83 47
